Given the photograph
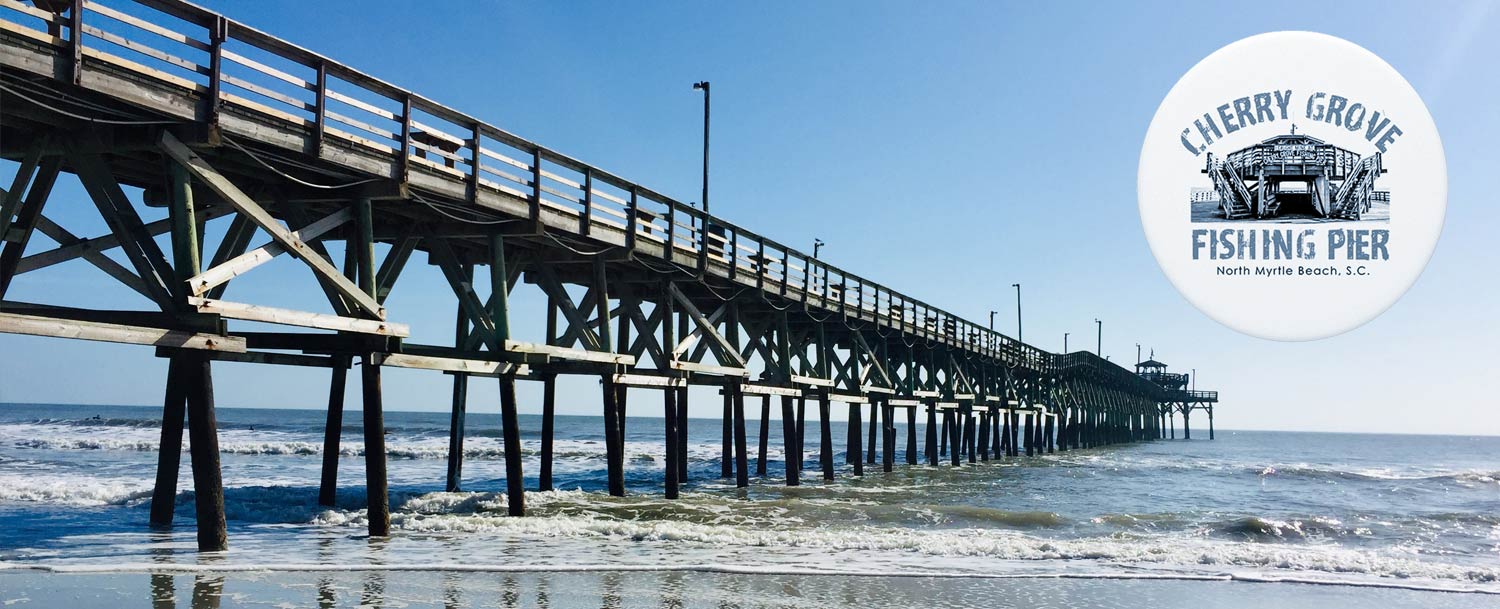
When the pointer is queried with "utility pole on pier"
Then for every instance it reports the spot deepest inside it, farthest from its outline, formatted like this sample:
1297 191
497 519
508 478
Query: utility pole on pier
992 320
1065 342
703 86
1018 312
1099 345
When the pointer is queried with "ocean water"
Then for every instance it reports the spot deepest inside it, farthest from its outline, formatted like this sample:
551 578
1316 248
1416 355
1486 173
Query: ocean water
1418 512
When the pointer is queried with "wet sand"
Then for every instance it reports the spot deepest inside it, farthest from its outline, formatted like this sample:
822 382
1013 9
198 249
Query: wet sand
680 590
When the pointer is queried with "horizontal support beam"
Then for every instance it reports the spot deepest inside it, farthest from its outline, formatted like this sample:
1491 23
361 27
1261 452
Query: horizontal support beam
290 317
582 355
904 402
697 368
454 364
811 380
649 380
11 323
848 398
926 394
266 357
753 389
880 390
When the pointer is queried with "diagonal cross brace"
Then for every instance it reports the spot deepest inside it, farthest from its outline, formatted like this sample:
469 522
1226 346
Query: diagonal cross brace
220 274
262 218
722 347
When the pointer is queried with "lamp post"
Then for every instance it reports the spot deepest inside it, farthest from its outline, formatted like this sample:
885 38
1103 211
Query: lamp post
703 86
1099 345
1195 379
817 245
992 320
1137 355
1019 338
1065 342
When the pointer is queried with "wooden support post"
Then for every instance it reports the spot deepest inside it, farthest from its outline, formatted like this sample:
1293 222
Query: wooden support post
825 436
765 434
1210 421
996 437
932 434
955 449
169 455
669 416
741 463
801 433
614 452
789 430
1015 434
460 404
726 469
515 483
1004 416
333 429
1187 432
888 425
984 436
203 436
874 423
1030 436
1050 435
682 434
854 454
947 430
970 427
549 430
376 491
911 435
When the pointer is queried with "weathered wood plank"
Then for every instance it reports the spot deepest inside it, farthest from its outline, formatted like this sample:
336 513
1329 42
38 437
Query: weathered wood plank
12 323
291 317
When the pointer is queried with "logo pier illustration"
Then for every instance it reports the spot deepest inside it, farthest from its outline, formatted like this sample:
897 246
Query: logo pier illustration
1292 177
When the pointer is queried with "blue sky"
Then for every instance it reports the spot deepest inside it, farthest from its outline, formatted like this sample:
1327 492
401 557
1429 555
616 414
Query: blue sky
945 150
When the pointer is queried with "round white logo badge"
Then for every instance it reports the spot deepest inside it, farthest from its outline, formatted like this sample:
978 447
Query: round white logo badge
1292 185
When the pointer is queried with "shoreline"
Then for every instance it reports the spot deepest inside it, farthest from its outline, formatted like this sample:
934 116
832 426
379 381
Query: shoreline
720 569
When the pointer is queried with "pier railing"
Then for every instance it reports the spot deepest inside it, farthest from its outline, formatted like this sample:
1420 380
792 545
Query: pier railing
330 110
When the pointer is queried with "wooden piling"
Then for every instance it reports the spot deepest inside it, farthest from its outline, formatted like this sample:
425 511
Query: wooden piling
1015 434
613 450
825 436
515 483
169 455
874 423
932 434
333 431
727 467
947 428
984 436
801 433
854 455
955 447
669 416
765 434
742 466
377 494
888 427
682 435
1030 439
911 435
456 431
970 428
549 430
789 431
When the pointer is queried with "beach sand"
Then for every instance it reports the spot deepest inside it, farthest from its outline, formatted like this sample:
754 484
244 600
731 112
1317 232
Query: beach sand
678 589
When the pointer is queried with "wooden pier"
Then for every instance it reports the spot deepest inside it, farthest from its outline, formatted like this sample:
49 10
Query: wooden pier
294 152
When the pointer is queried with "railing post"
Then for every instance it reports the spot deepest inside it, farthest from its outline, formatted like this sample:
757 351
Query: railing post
320 108
733 256
785 270
632 221
217 36
760 264
671 245
585 220
475 144
405 159
75 34
536 188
